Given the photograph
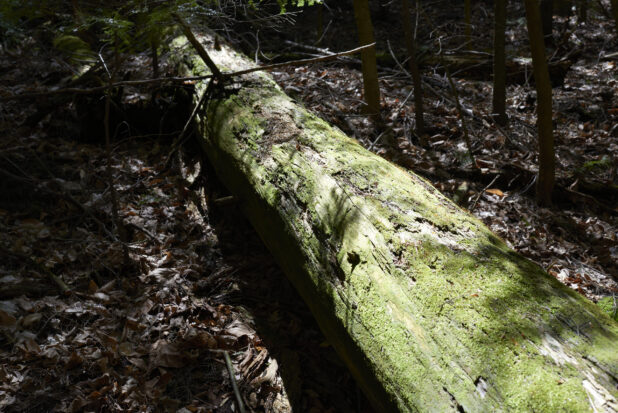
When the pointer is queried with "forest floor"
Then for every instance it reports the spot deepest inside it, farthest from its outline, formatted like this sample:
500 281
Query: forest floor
152 332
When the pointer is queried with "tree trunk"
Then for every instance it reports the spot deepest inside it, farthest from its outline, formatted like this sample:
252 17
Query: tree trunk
468 23
479 67
614 4
582 10
499 92
416 75
320 24
427 308
368 57
563 7
547 17
547 161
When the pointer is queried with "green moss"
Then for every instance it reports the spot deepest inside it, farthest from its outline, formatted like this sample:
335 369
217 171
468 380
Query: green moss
433 306
608 306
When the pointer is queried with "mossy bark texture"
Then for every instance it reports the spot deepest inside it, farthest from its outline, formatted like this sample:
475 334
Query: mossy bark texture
427 307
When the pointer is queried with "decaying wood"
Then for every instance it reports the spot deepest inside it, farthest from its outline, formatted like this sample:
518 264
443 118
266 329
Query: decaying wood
428 309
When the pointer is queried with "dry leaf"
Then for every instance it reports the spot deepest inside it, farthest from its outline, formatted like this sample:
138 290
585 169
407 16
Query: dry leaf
31 319
238 329
101 297
74 360
6 320
92 287
126 349
166 354
198 339
495 191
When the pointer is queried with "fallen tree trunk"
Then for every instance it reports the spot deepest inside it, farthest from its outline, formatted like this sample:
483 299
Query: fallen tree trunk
480 67
428 308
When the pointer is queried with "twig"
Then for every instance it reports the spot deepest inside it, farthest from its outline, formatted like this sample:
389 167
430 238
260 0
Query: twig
63 194
593 199
483 191
397 62
181 138
145 231
299 62
376 140
320 50
226 200
225 75
198 46
464 125
208 90
108 167
230 369
61 284
81 91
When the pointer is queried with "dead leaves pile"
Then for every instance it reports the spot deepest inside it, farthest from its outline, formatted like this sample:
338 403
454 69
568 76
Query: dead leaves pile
150 335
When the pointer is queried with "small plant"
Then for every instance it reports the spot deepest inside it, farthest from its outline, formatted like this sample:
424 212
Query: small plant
609 305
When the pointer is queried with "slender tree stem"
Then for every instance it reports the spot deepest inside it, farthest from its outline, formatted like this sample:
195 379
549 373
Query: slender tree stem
499 92
547 161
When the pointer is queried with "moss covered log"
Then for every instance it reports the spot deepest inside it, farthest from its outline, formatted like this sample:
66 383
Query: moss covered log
427 307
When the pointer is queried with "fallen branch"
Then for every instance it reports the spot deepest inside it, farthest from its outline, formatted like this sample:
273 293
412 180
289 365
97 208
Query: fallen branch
181 138
198 47
59 282
483 191
299 62
462 115
230 369
63 194
180 79
87 91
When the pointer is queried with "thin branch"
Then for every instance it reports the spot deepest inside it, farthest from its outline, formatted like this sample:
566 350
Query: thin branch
80 91
299 62
462 115
483 191
120 230
198 46
59 282
181 138
225 75
230 369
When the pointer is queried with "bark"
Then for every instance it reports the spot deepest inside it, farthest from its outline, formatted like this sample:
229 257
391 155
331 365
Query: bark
468 23
416 75
563 7
499 92
582 10
368 57
614 4
547 158
547 14
427 308
320 24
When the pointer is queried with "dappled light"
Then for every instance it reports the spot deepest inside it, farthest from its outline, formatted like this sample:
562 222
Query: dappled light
309 206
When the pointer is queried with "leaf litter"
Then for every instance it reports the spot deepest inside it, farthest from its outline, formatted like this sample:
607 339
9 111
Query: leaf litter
151 334
576 241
